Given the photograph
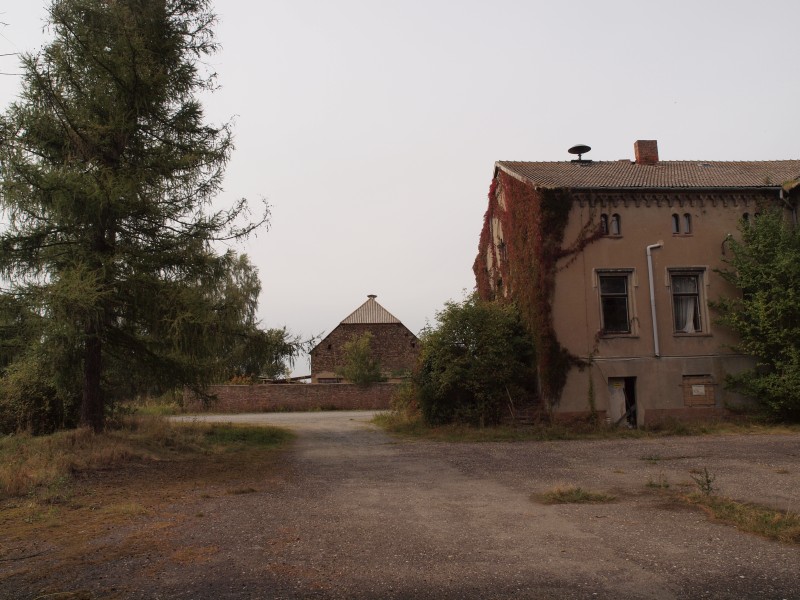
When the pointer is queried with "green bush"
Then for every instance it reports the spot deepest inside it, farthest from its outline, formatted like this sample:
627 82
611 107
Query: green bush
360 367
33 400
765 267
476 358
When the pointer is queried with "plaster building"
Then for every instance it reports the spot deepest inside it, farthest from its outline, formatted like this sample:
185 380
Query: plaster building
613 265
393 345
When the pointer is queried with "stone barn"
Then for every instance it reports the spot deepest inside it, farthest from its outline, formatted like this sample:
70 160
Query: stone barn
393 344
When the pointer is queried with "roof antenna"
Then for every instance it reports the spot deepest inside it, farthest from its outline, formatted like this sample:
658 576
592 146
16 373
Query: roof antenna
580 150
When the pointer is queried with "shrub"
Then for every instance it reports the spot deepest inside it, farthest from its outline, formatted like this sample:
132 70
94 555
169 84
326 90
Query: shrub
765 267
359 365
472 362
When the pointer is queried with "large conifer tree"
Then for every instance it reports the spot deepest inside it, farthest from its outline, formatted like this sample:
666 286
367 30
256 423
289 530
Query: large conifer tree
108 171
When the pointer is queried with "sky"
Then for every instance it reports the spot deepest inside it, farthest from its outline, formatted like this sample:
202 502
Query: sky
372 128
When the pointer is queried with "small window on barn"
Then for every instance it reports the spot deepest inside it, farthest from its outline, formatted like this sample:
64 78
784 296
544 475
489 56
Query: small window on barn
676 223
746 219
604 224
616 225
687 223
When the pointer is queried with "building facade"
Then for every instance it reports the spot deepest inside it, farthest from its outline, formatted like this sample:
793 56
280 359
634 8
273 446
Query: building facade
614 264
393 345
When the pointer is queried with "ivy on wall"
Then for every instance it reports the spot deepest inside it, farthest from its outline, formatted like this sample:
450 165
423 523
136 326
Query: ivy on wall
522 267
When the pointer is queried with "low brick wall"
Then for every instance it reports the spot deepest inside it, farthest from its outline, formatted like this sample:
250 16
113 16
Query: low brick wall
274 397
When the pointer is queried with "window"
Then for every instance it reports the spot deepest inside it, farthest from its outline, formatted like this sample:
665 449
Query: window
616 225
614 306
604 224
677 221
686 297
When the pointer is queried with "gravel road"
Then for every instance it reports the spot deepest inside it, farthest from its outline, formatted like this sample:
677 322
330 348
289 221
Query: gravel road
354 513
362 515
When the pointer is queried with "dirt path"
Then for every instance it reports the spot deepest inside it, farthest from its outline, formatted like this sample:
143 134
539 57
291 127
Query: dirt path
353 513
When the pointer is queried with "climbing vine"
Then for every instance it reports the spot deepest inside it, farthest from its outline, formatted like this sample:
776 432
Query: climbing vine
523 243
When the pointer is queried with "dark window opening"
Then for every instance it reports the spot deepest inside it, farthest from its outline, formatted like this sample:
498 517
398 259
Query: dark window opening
604 224
614 304
630 401
687 223
676 223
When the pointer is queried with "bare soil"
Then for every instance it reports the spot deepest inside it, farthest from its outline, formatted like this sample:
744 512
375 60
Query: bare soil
349 512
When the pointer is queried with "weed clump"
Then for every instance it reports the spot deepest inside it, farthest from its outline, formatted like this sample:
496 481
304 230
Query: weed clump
573 495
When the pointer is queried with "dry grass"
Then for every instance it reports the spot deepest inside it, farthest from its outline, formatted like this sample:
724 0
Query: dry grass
123 493
412 426
573 495
45 465
761 520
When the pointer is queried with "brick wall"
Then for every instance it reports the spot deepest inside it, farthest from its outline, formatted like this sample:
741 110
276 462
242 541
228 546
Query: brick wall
284 397
393 345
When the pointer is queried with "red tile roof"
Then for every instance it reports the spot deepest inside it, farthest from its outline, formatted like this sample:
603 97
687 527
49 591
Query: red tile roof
665 174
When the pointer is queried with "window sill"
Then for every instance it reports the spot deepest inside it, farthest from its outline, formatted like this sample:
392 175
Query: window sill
678 334
607 336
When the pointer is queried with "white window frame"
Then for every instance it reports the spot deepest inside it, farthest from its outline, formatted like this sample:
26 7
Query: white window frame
701 303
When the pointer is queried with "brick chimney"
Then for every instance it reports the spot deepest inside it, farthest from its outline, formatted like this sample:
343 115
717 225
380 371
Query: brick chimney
646 152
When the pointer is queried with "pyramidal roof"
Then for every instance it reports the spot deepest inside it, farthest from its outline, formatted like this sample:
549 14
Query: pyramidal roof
370 312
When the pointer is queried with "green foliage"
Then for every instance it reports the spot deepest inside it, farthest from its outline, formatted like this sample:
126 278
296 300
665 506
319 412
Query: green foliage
477 356
705 482
765 266
359 366
109 171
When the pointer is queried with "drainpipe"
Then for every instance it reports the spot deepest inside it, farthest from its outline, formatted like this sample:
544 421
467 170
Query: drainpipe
650 248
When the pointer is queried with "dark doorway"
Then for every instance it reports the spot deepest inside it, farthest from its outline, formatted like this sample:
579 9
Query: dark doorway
630 401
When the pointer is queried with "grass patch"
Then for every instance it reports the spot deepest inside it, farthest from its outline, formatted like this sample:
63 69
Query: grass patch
660 483
45 466
414 427
244 490
753 518
651 458
238 436
573 495
167 404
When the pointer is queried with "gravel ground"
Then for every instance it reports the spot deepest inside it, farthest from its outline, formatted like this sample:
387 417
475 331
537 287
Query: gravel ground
355 513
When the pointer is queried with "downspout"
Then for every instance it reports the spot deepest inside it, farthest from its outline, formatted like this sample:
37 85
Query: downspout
650 248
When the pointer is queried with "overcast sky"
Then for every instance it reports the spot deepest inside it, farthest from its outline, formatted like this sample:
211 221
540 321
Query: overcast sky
372 127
